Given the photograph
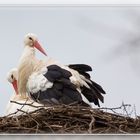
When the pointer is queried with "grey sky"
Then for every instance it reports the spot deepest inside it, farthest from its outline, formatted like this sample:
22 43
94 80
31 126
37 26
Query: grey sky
90 35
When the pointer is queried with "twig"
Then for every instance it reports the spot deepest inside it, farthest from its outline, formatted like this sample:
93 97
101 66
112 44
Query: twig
48 126
135 111
31 104
124 108
114 108
17 109
91 124
29 116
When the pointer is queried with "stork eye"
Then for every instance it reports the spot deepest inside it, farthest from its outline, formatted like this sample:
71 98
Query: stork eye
30 38
12 76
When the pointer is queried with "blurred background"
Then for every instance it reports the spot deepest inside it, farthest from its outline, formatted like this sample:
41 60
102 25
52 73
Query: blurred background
107 38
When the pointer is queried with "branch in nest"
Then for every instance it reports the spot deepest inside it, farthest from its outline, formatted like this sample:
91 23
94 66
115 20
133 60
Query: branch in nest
123 106
91 125
31 104
115 108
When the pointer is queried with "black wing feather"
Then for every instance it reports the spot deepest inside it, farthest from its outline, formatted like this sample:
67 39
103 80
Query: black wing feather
62 92
80 67
94 94
56 68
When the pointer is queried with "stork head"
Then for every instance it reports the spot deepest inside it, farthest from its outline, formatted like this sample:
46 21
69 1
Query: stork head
31 41
12 78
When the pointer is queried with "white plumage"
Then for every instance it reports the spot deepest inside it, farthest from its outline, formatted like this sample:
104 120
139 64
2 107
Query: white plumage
12 107
38 82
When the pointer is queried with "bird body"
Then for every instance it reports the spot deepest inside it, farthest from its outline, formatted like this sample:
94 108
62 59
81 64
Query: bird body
57 84
52 85
19 106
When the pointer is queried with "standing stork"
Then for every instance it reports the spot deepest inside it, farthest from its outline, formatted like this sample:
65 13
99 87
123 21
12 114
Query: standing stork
54 83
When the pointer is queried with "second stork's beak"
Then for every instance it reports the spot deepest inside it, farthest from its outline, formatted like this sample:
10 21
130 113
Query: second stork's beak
38 46
14 83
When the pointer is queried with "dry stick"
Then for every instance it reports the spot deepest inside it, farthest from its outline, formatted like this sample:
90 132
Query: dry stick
28 115
48 126
70 127
124 107
17 109
108 124
31 118
27 104
23 104
115 108
91 124
135 111
31 104
123 131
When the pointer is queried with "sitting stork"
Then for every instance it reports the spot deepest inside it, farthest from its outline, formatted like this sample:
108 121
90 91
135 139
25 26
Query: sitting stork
53 82
19 102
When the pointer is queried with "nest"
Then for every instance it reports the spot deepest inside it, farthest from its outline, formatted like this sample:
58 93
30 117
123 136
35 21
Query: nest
69 120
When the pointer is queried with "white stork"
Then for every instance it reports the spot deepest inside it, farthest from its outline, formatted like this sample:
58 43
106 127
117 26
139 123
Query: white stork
53 82
12 108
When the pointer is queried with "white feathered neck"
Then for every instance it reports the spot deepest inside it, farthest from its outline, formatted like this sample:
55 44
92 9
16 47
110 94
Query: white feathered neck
25 68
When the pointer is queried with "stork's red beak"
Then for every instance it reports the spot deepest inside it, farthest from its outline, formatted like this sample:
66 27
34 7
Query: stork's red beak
38 46
14 83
